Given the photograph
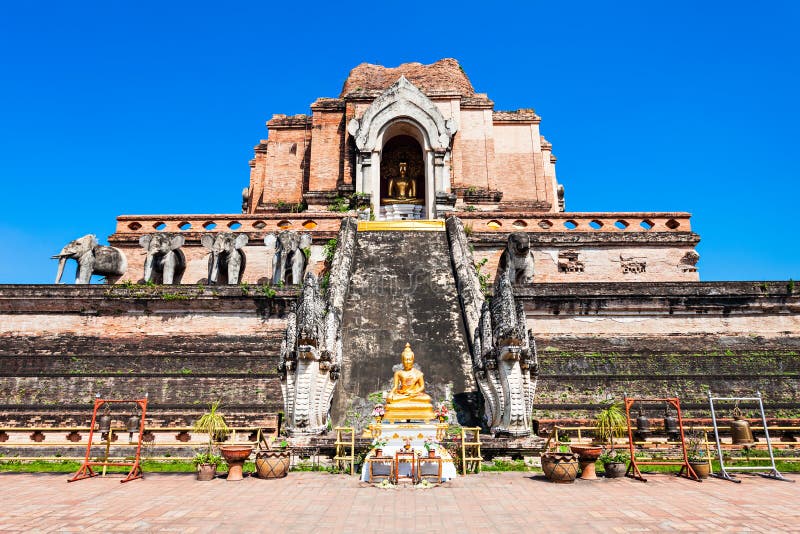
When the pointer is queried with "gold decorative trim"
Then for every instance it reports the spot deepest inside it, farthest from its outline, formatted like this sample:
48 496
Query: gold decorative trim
434 225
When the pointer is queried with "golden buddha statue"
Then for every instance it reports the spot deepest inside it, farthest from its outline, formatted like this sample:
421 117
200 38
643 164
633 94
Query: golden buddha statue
408 399
402 188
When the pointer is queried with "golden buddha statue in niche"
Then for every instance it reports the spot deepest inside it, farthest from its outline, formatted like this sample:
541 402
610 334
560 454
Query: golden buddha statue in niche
408 399
402 188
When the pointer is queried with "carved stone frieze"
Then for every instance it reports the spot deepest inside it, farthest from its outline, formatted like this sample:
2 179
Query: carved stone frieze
569 262
688 263
632 265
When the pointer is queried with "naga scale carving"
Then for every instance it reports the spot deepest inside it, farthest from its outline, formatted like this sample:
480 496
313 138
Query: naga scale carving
503 349
311 351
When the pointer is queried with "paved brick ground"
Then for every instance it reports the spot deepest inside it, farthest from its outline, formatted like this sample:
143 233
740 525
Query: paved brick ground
306 502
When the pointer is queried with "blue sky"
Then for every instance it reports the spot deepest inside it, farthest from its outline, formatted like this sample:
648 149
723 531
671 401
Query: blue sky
116 107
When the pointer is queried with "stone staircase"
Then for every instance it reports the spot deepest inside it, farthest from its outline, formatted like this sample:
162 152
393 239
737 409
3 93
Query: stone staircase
403 290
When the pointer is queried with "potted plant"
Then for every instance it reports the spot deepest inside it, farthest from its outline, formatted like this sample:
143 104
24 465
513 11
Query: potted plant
206 465
274 461
615 463
611 423
378 444
430 446
211 423
697 456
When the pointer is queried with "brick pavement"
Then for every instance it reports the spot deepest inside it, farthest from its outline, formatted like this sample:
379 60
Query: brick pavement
305 502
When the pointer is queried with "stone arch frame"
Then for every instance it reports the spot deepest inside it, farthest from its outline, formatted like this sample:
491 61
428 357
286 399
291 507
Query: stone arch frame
403 108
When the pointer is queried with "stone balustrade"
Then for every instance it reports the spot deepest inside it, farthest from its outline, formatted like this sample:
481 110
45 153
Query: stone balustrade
143 224
477 221
577 222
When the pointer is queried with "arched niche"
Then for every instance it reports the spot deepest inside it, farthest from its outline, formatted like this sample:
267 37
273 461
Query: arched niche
403 110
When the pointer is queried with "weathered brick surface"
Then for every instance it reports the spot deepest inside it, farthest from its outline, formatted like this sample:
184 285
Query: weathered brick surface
59 345
326 150
444 75
600 341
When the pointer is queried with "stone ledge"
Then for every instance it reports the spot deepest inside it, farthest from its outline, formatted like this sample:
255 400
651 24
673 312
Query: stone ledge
756 289
567 238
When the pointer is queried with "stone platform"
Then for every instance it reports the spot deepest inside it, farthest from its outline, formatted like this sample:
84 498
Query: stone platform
306 502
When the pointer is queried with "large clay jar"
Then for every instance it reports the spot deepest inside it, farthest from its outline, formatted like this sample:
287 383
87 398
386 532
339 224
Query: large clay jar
272 464
702 469
206 472
560 467
615 469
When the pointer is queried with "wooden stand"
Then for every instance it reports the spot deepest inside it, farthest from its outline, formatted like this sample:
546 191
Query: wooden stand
345 448
471 449
633 467
135 472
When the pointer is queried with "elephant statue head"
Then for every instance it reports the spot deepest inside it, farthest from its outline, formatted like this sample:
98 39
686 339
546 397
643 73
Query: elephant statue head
163 257
224 253
289 257
92 259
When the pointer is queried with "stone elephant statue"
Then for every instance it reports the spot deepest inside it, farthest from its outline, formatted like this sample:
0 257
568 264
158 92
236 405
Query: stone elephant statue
92 259
289 258
164 257
225 253
517 259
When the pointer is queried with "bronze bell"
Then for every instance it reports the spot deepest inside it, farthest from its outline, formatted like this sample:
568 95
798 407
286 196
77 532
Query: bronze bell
642 424
740 431
670 424
132 424
104 423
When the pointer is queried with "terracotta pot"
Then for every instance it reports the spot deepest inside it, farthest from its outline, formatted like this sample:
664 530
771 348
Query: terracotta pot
272 464
615 469
702 469
587 455
587 452
560 467
235 456
206 472
432 453
378 452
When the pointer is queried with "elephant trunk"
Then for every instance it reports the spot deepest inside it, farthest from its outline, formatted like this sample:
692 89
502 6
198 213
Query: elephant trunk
213 273
62 260
148 266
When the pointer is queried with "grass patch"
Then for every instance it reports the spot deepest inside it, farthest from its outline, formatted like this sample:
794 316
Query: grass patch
508 465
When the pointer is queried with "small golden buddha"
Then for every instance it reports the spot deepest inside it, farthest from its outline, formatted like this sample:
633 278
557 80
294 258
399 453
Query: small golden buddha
408 399
403 187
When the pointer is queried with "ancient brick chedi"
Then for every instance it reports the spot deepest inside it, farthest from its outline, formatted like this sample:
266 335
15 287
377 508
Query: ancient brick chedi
405 210
417 142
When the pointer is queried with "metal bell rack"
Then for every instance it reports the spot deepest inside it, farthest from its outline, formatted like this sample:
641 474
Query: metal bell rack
633 466
135 472
724 470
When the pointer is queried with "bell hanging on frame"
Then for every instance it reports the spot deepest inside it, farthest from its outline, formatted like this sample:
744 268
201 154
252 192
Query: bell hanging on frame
741 434
104 421
671 428
642 424
132 424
